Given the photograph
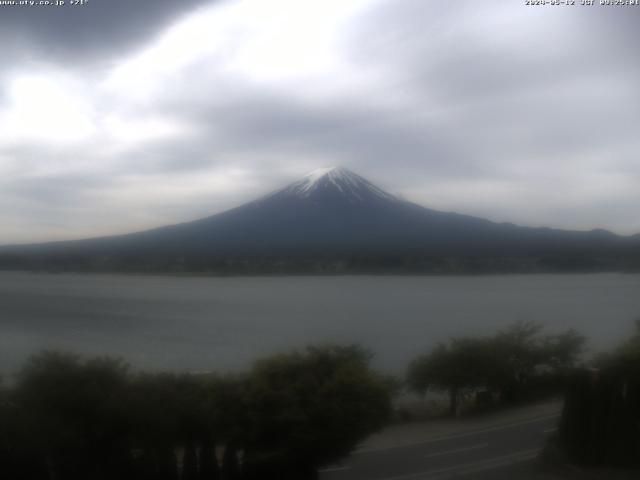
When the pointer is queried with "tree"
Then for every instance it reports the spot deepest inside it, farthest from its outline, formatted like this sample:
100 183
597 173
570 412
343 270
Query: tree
461 365
525 354
311 408
626 357
504 363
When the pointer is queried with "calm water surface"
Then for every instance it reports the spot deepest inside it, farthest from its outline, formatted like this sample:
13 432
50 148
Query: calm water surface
198 323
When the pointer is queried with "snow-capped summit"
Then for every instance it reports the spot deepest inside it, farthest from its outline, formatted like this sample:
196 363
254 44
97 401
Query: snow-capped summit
339 182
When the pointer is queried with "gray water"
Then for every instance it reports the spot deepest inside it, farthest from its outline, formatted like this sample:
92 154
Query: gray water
203 323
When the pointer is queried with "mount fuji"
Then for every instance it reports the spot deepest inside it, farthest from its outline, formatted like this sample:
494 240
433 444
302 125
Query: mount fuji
337 220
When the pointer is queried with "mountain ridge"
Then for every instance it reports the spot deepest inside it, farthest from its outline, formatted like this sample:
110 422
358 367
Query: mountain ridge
330 215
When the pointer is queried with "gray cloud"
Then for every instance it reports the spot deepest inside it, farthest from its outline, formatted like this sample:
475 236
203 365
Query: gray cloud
101 28
518 115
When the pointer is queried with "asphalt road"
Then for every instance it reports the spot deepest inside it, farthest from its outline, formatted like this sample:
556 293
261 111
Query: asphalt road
499 451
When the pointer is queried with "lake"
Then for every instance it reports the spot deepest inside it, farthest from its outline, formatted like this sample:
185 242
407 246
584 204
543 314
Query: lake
212 323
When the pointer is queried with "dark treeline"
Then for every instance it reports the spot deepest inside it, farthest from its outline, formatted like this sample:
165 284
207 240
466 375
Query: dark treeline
66 418
320 264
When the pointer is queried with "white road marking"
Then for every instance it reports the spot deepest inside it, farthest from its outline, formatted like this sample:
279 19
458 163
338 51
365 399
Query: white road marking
457 450
459 435
333 469
466 468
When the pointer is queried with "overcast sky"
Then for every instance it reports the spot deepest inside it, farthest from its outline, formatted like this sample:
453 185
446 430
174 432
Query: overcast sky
122 115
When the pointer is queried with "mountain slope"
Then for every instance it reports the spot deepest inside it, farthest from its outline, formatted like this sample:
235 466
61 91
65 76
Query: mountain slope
330 214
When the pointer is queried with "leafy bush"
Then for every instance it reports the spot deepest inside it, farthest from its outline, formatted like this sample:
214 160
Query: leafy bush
70 418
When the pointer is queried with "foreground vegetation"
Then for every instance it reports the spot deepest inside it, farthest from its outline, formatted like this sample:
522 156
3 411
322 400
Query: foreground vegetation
68 419
600 423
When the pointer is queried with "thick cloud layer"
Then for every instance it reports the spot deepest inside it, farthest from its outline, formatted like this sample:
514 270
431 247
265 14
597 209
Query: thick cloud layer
96 31
119 115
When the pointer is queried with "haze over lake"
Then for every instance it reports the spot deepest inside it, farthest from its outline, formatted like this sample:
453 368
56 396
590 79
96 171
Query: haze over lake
213 323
